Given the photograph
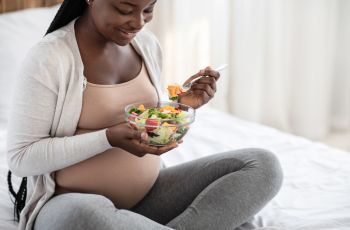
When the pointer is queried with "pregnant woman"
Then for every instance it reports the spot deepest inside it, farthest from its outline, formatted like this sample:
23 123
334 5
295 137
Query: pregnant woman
86 168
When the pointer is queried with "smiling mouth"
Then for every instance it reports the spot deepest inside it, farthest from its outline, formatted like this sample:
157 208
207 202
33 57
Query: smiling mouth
128 33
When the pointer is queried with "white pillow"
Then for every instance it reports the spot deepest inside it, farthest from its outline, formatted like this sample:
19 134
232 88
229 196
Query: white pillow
19 32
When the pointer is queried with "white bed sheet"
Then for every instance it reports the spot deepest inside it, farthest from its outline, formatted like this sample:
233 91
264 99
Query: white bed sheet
6 210
316 188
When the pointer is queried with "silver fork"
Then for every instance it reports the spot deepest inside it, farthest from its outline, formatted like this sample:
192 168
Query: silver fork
188 86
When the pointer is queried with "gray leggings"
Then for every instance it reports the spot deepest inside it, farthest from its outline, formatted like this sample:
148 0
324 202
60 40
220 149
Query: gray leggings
221 191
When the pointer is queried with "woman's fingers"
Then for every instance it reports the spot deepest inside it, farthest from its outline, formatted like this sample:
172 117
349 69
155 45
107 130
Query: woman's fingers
164 149
168 147
132 141
200 88
143 148
208 71
136 134
200 73
205 96
140 149
209 81
212 73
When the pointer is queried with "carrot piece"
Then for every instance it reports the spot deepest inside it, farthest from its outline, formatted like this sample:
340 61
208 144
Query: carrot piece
141 108
174 90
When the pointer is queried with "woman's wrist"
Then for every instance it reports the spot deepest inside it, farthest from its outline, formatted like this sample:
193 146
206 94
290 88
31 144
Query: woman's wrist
109 137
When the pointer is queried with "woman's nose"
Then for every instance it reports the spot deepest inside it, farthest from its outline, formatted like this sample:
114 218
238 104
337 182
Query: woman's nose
138 22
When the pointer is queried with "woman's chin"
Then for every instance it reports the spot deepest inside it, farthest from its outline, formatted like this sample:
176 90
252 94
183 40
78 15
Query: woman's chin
122 42
123 39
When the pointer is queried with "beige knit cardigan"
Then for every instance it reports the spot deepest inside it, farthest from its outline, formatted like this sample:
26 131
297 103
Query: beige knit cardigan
46 109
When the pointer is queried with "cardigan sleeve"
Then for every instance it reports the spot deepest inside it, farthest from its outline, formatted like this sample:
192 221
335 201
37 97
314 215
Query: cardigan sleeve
30 148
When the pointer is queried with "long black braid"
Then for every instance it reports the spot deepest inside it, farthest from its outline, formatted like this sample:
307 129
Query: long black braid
69 10
20 197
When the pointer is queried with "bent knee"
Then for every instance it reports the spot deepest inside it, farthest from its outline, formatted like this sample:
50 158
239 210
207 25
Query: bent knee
270 169
265 167
262 164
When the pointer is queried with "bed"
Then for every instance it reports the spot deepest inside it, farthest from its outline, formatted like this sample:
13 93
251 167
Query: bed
316 190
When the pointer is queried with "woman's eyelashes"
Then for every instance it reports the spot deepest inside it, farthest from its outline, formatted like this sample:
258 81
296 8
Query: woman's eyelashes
128 12
123 12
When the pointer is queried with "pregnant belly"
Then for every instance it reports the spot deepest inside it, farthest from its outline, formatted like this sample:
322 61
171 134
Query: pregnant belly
122 177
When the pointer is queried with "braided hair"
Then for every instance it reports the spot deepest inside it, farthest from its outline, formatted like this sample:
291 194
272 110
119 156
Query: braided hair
69 10
20 196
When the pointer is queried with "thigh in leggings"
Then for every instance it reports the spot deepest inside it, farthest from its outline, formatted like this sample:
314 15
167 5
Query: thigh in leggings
220 191
79 211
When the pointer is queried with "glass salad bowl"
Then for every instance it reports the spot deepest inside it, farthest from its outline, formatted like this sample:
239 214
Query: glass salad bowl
164 122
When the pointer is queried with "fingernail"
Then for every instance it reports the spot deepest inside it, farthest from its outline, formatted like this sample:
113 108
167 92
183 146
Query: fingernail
144 136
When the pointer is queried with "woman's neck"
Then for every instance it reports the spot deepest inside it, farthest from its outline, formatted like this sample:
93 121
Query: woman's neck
87 33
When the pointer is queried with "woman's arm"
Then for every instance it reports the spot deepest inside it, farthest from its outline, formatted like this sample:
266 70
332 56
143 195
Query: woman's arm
31 149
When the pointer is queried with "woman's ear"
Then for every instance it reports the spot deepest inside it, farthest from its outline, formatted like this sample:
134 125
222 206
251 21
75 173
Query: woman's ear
89 1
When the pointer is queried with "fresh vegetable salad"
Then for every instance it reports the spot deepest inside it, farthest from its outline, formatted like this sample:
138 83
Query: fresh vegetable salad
165 123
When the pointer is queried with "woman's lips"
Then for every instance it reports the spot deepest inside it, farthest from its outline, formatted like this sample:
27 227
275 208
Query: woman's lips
128 34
